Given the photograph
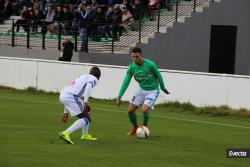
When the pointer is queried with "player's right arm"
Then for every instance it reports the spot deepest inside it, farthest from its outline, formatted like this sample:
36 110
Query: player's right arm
125 83
65 117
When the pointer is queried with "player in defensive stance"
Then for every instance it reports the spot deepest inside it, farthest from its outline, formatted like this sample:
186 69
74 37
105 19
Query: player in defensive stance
147 74
73 104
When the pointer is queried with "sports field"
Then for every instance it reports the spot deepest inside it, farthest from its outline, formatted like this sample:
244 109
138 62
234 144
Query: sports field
30 123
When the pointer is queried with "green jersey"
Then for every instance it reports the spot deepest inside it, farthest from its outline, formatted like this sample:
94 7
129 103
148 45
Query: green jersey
147 75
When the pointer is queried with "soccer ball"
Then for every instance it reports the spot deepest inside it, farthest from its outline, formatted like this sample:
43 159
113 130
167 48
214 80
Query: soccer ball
142 132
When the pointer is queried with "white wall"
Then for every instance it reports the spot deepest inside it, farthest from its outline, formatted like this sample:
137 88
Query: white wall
200 89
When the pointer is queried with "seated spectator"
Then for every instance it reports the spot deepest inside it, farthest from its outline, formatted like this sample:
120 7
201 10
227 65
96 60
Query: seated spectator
49 16
47 4
25 17
109 20
128 5
21 4
36 19
67 52
138 10
116 24
68 19
127 18
59 17
5 9
99 23
36 5
58 3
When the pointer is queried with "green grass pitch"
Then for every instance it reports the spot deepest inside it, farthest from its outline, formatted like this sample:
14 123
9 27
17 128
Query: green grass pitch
30 122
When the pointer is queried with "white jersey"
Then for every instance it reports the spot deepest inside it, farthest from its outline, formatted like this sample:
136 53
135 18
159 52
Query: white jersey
81 86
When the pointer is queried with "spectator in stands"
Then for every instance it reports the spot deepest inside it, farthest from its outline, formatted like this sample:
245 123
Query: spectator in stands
21 4
94 5
47 4
58 3
59 17
128 5
67 52
116 25
25 17
48 19
68 20
5 9
109 20
139 11
81 7
99 23
36 19
127 18
31 15
152 4
86 19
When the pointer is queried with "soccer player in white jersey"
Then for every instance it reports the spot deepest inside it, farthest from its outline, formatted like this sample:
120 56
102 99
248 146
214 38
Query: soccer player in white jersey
70 97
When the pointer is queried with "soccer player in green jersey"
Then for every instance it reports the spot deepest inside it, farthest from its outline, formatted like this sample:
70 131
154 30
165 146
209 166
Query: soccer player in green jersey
147 74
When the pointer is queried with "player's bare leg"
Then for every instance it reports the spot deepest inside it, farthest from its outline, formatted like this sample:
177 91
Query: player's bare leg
132 117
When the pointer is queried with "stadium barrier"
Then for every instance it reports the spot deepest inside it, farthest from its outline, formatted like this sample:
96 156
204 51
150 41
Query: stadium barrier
200 89
34 33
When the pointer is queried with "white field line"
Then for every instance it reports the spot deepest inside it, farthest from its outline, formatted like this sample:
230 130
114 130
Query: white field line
157 116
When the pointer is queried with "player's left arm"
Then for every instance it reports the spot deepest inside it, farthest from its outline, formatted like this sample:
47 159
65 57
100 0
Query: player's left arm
157 73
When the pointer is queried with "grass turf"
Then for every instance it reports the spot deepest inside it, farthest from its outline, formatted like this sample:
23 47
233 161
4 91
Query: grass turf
30 123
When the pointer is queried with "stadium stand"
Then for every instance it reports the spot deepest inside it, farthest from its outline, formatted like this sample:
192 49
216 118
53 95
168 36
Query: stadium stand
142 28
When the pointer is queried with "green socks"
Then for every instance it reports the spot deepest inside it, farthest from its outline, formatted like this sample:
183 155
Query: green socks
132 118
145 118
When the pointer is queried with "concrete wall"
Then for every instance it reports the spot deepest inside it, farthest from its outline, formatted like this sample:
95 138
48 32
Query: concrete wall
34 53
186 46
200 89
105 58
97 58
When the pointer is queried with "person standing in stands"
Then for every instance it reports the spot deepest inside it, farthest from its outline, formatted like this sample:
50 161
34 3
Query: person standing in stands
86 18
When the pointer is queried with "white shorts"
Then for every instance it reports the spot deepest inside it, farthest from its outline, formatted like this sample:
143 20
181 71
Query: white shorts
145 97
72 104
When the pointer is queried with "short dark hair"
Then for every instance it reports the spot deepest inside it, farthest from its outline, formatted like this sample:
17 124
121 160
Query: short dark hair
136 50
95 71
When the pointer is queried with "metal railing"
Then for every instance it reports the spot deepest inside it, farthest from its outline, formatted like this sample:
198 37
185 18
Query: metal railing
141 29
